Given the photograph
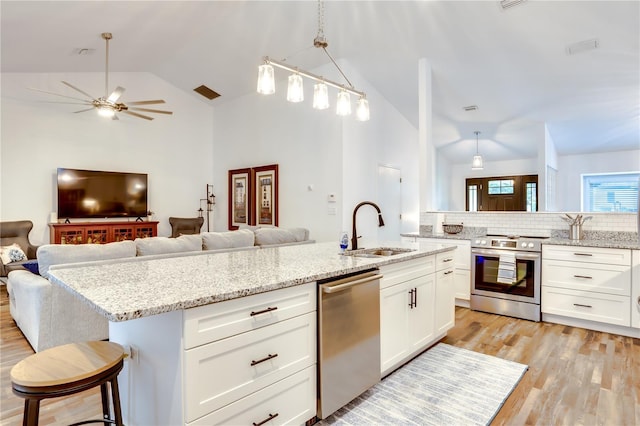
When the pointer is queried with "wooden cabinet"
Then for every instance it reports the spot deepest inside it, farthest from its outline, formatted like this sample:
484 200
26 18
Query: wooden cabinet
587 283
407 300
100 232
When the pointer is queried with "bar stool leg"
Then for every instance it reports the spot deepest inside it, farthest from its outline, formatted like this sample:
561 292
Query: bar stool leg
31 412
106 412
115 397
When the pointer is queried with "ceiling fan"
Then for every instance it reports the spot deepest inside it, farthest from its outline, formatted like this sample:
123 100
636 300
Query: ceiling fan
108 105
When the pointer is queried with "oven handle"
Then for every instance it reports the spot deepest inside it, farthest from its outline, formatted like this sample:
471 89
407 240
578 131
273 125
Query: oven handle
519 254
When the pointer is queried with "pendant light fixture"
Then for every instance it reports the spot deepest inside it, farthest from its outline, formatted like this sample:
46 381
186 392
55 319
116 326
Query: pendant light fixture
266 81
477 163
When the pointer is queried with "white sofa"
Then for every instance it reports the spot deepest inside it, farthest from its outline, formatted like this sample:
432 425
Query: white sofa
50 316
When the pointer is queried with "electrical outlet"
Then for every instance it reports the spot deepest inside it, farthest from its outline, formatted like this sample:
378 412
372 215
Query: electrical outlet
132 353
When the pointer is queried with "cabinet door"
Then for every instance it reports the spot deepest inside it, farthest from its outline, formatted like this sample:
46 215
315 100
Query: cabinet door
421 314
72 235
462 283
635 290
394 325
445 301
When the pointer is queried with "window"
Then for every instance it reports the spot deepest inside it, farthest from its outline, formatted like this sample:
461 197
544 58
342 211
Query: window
472 198
503 186
531 189
615 192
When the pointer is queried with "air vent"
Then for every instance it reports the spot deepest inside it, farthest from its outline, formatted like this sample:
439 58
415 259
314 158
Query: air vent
206 92
582 46
470 108
506 4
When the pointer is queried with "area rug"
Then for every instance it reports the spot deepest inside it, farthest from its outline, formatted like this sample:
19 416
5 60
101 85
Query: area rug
445 385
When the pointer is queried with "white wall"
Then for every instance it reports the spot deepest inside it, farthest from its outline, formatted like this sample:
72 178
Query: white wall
570 168
38 136
332 154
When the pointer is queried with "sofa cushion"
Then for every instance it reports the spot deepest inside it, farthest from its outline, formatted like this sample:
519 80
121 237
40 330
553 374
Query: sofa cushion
228 239
164 245
32 266
56 254
12 253
269 236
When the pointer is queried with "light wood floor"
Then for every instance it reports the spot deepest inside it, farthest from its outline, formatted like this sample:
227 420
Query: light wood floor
575 376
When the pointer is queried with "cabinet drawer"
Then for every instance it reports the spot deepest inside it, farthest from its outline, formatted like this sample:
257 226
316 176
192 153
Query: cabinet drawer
216 321
224 371
292 400
599 307
445 260
610 279
607 256
400 272
462 253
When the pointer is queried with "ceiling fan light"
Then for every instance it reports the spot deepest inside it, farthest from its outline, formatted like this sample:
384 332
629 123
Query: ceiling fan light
343 105
295 90
106 111
477 163
320 96
362 109
266 81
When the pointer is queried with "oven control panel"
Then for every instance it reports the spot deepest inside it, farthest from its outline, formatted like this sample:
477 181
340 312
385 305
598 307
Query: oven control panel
522 244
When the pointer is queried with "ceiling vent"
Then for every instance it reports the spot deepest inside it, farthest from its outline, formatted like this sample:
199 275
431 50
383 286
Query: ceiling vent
507 4
206 92
470 108
582 46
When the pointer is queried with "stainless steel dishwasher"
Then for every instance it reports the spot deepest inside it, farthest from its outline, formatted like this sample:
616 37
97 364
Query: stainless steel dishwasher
348 339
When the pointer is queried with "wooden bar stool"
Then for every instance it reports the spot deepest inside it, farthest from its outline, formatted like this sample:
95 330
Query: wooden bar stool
69 369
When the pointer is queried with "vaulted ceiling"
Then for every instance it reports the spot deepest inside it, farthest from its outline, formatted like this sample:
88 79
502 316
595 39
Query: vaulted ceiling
512 63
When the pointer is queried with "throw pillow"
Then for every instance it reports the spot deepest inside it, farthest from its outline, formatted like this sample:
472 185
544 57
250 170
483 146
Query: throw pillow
32 266
12 253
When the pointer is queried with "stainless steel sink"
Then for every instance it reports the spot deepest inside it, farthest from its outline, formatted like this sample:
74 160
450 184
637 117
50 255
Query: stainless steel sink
378 252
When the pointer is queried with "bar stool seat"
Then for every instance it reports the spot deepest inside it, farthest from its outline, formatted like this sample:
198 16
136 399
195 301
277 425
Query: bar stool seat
69 369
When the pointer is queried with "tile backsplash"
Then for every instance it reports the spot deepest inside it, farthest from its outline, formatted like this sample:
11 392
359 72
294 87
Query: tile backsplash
532 224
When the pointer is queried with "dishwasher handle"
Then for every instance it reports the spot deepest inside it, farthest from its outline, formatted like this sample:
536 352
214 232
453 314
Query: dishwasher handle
328 288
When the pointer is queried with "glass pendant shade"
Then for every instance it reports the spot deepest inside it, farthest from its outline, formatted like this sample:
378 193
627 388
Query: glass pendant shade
295 90
266 81
343 105
105 111
320 96
362 110
477 164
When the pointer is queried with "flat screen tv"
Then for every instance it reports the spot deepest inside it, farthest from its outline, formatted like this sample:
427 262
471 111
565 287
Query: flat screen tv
98 194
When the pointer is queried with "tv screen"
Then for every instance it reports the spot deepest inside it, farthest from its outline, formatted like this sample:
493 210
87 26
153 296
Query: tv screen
98 194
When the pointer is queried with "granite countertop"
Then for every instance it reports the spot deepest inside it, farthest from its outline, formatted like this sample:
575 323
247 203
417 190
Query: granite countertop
619 244
129 290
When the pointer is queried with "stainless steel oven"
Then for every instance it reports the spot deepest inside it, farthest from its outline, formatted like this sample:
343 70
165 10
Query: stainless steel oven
516 293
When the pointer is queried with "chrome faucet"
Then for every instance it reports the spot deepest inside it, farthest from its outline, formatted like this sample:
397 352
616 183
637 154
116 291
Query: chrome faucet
354 233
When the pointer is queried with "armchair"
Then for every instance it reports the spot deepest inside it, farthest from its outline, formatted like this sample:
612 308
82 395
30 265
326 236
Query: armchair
16 232
185 225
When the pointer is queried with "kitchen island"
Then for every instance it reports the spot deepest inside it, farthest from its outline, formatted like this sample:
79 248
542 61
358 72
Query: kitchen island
183 316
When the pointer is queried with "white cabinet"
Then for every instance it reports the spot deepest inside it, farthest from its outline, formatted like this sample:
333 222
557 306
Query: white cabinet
415 309
635 290
462 267
445 314
587 283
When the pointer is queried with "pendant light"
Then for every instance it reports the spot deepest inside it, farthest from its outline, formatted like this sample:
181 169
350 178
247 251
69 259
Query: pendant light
477 163
266 81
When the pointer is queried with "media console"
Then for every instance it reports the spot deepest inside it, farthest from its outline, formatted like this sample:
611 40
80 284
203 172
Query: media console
101 232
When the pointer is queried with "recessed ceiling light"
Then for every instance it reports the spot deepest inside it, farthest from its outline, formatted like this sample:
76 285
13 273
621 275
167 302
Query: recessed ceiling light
582 46
506 4
470 108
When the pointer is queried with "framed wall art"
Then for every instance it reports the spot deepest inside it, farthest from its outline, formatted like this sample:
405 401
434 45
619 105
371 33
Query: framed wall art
265 179
240 198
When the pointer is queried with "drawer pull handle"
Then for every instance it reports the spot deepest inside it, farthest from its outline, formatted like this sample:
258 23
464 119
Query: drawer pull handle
448 272
271 417
447 260
582 306
264 311
583 254
266 358
638 300
583 276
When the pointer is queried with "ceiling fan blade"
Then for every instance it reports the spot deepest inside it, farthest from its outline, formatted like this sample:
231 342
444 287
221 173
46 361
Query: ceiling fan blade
81 91
138 115
152 110
56 94
83 110
157 101
115 95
